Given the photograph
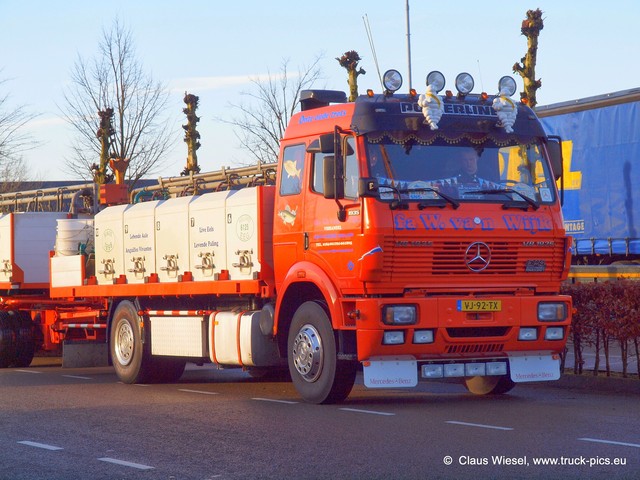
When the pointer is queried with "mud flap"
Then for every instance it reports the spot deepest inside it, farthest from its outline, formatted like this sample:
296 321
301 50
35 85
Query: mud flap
534 366
390 372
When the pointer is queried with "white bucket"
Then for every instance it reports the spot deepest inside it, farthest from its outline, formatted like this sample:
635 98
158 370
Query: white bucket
72 236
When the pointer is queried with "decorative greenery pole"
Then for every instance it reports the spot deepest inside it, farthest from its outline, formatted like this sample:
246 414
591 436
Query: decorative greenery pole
104 133
350 61
531 27
191 135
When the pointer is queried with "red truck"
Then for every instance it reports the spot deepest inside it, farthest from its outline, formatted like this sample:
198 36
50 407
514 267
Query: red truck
414 236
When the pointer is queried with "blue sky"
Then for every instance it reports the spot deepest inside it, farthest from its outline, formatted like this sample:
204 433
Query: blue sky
213 48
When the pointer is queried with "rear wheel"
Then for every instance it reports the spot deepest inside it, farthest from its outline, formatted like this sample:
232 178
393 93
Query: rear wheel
317 374
167 369
25 342
489 385
130 358
7 341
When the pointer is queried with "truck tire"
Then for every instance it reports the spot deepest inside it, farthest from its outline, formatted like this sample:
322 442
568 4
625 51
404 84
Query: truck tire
316 372
130 356
7 341
167 369
25 342
489 385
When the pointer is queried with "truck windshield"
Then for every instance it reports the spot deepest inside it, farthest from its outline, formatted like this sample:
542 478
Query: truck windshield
468 168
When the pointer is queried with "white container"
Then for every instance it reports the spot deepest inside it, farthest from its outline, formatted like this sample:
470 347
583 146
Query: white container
207 236
73 236
139 241
25 242
172 238
249 214
109 244
233 332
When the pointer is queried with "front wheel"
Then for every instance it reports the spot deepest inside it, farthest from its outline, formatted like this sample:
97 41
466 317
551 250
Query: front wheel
489 385
316 372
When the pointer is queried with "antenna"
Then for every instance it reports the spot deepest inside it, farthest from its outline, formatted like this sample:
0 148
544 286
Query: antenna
367 28
408 45
480 76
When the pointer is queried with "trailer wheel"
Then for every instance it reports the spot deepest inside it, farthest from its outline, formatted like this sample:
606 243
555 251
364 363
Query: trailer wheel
317 374
7 341
167 370
25 342
489 385
130 359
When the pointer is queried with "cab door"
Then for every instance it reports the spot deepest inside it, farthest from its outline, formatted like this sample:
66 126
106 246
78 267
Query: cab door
288 236
332 244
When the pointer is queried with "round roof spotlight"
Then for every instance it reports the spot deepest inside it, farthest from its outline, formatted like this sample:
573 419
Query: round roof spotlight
508 84
464 83
436 80
392 80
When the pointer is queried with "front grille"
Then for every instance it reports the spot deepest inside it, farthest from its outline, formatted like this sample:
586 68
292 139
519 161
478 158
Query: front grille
477 332
406 260
475 348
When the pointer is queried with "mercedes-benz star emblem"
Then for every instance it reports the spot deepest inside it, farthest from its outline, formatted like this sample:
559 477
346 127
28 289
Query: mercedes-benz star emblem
477 256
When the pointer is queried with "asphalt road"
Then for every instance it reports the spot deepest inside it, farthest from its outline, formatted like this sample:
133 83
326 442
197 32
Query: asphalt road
82 424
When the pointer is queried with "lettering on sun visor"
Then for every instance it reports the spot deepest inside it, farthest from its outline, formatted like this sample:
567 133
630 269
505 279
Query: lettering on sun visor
453 109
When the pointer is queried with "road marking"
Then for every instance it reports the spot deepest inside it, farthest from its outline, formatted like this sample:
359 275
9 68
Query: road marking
610 442
78 376
126 464
287 402
40 445
197 391
28 371
371 412
480 425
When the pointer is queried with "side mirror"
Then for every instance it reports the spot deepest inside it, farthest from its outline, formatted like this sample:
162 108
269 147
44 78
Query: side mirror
323 144
554 147
368 187
328 175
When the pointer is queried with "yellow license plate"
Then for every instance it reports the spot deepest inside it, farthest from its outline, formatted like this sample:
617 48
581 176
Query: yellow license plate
479 305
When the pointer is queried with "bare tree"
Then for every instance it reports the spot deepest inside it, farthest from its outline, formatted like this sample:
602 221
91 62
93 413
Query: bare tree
14 141
115 79
349 61
531 27
262 121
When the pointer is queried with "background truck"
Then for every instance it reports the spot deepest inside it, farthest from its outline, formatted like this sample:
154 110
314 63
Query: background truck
601 150
365 245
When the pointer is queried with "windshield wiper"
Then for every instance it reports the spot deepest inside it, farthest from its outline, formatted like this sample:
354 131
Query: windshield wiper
401 204
424 205
490 191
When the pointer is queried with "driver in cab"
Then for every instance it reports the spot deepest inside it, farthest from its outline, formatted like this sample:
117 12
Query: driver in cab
468 172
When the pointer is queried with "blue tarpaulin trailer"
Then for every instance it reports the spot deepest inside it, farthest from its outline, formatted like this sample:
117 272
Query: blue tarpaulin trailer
601 150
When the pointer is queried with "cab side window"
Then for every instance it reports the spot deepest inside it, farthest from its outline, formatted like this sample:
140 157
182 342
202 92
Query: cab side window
292 170
351 173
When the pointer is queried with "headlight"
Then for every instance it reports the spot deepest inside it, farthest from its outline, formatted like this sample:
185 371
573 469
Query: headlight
552 311
399 314
508 84
464 83
392 80
436 80
554 333
423 336
528 334
393 337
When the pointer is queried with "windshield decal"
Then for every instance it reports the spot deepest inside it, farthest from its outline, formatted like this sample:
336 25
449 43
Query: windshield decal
437 222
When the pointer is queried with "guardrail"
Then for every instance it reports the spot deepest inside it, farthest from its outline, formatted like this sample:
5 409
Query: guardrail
595 273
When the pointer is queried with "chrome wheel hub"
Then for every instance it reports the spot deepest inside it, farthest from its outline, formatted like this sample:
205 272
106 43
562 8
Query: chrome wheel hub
308 354
124 343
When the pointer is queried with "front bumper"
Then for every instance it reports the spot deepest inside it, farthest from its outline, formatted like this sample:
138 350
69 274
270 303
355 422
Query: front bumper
460 334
